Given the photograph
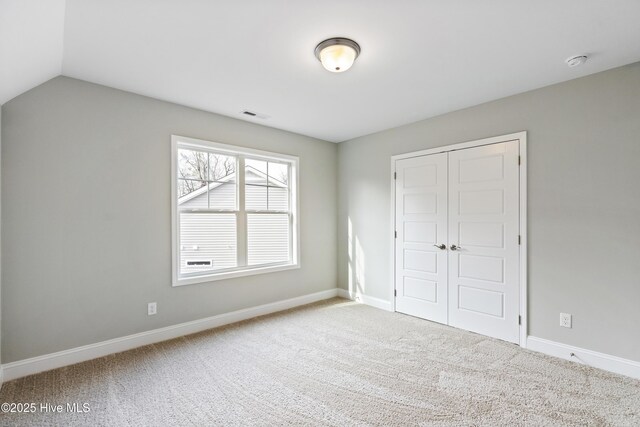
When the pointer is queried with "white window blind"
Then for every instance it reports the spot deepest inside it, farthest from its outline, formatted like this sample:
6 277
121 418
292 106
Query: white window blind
268 238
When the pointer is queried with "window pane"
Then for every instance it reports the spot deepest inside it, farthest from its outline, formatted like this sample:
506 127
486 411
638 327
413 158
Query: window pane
255 172
192 164
278 174
192 194
268 238
278 199
207 242
255 198
221 167
222 195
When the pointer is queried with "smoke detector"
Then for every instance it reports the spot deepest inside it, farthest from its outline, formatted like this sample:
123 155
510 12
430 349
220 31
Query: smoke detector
575 61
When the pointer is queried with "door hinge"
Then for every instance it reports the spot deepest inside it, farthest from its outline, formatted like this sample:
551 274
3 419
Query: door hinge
519 160
395 234
395 175
395 292
519 320
519 239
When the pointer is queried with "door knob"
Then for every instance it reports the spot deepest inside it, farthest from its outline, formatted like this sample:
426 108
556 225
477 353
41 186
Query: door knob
455 248
441 247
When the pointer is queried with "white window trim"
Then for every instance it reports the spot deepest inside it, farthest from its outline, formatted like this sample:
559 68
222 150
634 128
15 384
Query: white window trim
185 142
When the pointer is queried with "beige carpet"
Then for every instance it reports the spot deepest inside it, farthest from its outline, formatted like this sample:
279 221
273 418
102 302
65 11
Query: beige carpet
332 363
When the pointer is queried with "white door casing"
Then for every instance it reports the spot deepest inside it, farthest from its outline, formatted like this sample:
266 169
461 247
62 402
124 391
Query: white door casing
421 225
485 204
483 221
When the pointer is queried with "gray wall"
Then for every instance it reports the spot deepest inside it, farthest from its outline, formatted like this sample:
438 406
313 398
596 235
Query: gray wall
81 265
584 202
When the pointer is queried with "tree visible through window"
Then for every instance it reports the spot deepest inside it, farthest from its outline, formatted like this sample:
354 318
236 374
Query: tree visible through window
197 167
234 211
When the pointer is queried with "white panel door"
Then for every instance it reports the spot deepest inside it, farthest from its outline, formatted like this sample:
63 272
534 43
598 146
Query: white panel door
483 222
421 226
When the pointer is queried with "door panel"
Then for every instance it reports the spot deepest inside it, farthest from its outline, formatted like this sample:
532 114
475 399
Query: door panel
481 202
481 235
420 203
421 289
426 261
479 169
420 232
481 301
421 218
483 221
481 268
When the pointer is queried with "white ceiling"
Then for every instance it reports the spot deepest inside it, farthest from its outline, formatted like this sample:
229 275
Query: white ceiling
419 58
31 34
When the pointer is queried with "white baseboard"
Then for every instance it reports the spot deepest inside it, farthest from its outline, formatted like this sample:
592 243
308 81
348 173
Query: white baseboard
604 361
59 359
365 299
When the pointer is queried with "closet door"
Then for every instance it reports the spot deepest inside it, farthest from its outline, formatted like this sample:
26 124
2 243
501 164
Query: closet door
421 227
483 240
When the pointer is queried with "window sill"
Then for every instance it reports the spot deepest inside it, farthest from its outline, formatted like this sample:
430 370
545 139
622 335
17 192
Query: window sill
232 274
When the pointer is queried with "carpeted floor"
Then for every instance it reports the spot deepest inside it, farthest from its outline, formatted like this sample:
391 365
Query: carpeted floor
332 363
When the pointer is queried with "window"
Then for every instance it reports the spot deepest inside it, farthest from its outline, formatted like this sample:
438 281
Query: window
234 211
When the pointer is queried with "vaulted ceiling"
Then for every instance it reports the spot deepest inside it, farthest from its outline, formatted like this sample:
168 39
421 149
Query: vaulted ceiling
420 58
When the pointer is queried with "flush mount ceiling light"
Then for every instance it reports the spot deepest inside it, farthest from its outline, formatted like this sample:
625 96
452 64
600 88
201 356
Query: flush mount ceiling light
337 54
575 61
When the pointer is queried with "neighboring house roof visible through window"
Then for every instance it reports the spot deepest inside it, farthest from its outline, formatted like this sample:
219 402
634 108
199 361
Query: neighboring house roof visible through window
252 176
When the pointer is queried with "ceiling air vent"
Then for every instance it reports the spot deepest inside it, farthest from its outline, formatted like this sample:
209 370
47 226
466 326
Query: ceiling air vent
254 114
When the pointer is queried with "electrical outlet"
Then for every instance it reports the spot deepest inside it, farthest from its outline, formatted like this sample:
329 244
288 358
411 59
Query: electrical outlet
565 320
152 308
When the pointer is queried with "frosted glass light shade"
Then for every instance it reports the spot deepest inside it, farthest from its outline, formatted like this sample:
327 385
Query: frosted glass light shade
337 55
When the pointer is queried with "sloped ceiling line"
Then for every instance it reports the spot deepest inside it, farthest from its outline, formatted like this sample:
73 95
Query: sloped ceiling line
419 59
